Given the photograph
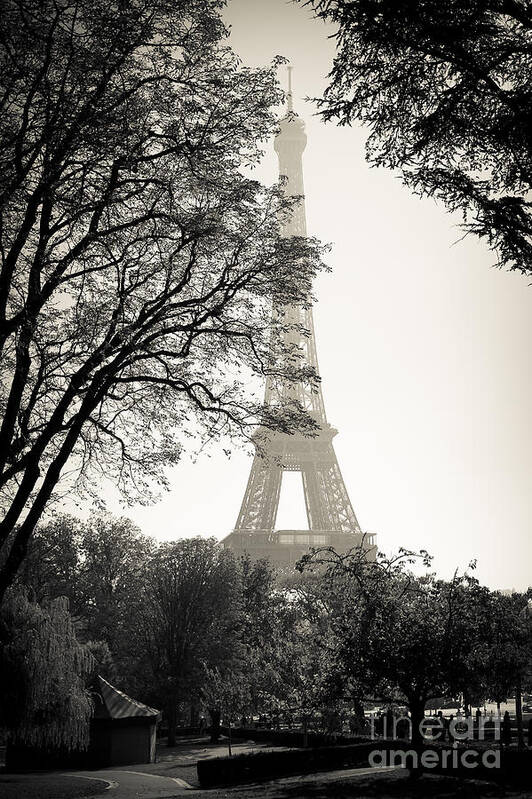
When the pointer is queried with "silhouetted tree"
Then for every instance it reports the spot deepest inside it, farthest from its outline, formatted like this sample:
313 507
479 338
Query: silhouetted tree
226 692
445 88
113 554
190 620
394 636
98 565
53 563
138 264
509 652
43 697
267 636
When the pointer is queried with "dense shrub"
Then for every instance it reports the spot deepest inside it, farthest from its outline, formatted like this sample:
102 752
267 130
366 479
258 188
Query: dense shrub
293 738
258 766
516 767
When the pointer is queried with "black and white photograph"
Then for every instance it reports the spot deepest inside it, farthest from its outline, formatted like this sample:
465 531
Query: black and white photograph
265 399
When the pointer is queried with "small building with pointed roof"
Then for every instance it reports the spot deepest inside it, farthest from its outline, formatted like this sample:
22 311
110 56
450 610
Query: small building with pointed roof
123 730
122 733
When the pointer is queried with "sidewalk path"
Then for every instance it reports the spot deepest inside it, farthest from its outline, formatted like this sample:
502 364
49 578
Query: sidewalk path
140 785
175 775
126 784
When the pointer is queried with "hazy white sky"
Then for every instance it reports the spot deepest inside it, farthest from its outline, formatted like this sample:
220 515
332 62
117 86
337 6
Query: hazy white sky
424 351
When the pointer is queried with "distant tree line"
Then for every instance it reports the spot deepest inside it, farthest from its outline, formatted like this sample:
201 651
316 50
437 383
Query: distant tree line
188 627
175 624
400 638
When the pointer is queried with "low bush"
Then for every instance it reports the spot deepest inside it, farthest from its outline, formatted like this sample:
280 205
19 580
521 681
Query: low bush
259 766
467 761
181 732
293 738
515 767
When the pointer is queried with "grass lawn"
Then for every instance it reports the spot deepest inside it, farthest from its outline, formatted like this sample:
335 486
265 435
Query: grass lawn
44 786
385 786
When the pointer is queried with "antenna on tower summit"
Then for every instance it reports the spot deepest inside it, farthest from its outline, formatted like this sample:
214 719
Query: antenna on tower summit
289 100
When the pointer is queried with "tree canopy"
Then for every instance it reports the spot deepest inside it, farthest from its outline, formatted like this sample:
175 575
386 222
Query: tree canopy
138 262
393 636
189 620
187 627
44 700
445 88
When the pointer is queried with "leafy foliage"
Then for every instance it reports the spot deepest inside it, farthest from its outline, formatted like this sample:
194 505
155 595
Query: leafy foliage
138 264
189 619
113 553
53 564
509 655
185 625
98 565
445 88
43 698
393 636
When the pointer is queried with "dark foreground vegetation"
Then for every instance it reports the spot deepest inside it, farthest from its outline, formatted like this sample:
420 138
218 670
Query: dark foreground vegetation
261 766
209 639
515 768
385 786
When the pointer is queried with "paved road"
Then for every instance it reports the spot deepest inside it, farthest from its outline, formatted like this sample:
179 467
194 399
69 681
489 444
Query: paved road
125 784
140 785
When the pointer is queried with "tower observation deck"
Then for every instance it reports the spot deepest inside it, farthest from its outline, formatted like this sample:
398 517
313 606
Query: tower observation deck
331 518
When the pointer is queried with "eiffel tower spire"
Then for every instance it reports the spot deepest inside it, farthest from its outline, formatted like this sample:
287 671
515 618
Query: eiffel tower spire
331 518
289 99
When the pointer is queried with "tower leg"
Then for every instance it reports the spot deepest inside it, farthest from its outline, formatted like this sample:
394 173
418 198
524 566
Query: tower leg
259 506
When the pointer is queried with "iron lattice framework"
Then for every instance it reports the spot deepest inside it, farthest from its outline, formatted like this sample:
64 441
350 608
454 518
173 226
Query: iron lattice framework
331 518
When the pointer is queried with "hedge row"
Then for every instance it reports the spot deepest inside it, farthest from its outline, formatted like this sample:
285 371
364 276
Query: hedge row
259 766
162 731
515 767
294 738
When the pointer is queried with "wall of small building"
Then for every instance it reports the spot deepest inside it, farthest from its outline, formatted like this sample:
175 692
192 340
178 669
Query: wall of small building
131 744
122 742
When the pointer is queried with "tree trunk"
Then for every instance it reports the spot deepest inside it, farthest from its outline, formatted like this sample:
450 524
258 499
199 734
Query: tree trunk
172 723
467 711
214 713
519 716
194 714
417 714
358 707
17 550
305 732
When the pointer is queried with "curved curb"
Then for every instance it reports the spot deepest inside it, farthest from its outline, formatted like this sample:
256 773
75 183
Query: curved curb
109 784
181 783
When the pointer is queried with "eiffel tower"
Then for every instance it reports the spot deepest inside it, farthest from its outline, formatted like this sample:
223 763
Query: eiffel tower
331 518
